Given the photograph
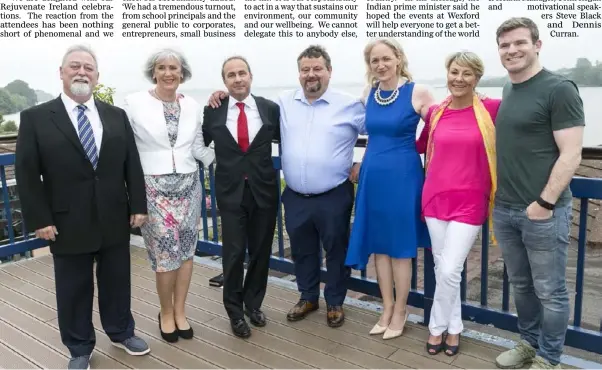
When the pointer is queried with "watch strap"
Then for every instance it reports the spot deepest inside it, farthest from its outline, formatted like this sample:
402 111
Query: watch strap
545 204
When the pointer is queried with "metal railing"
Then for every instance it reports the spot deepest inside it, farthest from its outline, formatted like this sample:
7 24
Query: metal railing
19 240
582 188
482 313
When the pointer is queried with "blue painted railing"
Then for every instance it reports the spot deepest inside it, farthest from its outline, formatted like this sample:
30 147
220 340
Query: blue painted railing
14 244
583 189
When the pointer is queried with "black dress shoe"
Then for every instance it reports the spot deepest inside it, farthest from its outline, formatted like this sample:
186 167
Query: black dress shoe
169 337
240 328
185 334
256 316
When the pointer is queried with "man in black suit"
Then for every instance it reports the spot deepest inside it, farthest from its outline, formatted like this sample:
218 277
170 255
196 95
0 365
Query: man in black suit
246 189
91 193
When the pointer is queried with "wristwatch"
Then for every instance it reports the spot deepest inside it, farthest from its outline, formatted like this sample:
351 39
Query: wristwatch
545 204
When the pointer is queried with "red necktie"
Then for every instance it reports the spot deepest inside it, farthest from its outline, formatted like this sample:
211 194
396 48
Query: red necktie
243 129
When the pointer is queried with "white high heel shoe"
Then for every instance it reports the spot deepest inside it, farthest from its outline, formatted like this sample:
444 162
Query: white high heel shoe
390 334
377 329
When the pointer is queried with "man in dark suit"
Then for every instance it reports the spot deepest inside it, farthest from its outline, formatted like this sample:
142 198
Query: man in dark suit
246 189
91 193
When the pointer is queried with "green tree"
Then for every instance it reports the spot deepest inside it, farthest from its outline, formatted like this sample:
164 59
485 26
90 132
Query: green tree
583 63
104 93
9 126
19 87
11 103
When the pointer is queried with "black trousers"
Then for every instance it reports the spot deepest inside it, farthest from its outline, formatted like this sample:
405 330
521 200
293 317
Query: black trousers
252 227
74 278
317 222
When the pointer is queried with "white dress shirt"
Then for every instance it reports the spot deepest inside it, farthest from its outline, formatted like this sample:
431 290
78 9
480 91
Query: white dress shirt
92 114
254 122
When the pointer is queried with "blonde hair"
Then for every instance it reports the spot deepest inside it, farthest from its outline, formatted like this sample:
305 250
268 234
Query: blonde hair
467 59
402 68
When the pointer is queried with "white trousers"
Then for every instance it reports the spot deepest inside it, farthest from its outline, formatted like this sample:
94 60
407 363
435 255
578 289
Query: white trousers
450 241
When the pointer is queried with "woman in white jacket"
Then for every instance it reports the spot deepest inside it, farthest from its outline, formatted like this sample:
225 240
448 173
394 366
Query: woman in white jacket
167 127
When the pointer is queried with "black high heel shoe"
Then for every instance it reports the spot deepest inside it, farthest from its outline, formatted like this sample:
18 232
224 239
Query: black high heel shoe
185 334
451 350
169 337
434 349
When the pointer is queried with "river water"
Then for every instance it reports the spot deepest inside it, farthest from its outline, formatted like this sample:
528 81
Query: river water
592 102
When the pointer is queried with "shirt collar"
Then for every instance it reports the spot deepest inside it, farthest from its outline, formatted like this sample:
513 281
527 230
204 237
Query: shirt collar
249 102
326 96
71 104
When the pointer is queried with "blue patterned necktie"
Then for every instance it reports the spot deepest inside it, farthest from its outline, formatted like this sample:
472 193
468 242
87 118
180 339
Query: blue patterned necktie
86 135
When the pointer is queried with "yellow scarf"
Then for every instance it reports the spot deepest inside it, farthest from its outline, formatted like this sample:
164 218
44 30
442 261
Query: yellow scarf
487 129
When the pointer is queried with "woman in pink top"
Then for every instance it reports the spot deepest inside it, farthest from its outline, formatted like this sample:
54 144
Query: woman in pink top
459 141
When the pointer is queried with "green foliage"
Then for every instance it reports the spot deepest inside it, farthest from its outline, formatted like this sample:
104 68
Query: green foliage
11 103
104 93
206 180
587 74
7 126
21 88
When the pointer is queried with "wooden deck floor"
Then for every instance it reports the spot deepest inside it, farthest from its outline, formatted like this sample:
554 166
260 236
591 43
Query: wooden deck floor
29 336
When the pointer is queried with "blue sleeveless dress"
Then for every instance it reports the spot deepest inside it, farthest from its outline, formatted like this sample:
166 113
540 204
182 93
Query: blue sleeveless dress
388 201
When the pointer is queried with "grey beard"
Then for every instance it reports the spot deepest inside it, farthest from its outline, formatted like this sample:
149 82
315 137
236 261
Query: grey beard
315 88
80 89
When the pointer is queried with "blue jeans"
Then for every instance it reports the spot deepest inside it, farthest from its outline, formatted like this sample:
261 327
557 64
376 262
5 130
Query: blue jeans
535 253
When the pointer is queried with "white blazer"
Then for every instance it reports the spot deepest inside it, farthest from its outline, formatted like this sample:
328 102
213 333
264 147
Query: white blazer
152 139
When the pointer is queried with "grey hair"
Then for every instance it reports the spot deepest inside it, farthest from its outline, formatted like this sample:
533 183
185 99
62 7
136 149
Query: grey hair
163 54
80 47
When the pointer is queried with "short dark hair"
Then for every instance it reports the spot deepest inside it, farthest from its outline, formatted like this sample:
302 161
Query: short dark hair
315 51
244 60
515 23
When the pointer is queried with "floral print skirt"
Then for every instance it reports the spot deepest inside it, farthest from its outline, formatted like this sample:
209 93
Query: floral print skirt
174 209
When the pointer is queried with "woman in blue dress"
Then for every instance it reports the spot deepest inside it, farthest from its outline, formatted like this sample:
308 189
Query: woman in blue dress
388 220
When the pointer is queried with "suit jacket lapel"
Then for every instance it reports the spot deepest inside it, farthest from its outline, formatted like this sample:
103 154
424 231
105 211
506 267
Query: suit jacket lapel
222 112
221 121
262 112
61 119
263 115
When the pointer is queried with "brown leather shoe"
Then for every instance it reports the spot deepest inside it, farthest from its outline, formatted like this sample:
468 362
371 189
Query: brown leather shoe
335 316
301 309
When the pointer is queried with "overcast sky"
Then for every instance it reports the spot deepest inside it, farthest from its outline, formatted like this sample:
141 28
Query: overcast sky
273 61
